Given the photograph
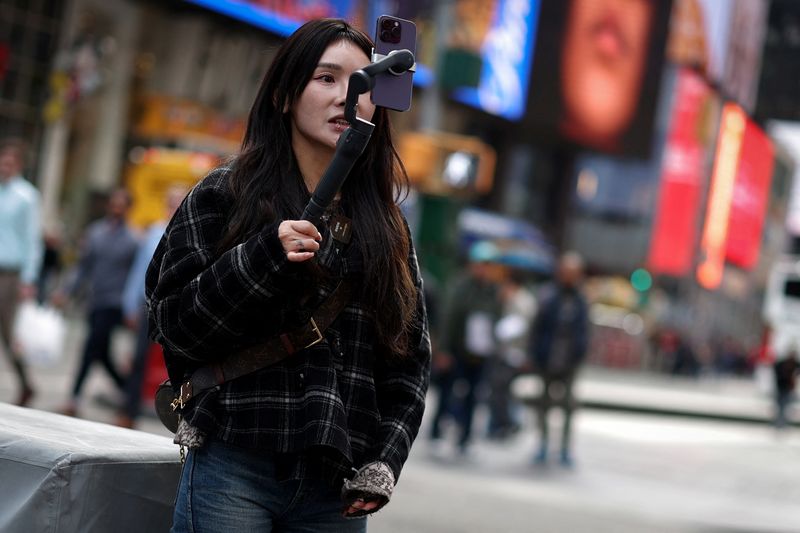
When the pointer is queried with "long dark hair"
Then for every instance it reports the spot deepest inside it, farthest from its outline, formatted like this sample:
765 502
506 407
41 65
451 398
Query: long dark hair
266 184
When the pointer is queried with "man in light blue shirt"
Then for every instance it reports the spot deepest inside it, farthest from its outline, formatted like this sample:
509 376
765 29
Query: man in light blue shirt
20 251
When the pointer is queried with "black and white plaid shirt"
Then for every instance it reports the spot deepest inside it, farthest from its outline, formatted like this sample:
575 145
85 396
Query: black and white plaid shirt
344 394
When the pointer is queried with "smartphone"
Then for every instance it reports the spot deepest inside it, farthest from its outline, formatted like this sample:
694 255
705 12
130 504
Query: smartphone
392 90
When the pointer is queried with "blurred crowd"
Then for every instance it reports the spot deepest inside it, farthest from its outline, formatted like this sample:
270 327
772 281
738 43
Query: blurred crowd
491 322
105 281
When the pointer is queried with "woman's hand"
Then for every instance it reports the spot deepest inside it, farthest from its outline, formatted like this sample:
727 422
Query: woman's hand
299 238
361 506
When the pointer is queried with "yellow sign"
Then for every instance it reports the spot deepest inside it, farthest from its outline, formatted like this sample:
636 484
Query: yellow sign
167 117
154 172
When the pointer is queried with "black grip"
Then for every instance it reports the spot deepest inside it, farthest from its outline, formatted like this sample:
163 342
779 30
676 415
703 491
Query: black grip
349 148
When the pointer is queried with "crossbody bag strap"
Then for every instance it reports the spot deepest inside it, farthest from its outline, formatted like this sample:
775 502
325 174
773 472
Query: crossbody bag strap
272 351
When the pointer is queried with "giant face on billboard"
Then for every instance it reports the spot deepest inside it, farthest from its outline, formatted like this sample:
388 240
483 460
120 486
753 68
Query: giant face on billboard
597 71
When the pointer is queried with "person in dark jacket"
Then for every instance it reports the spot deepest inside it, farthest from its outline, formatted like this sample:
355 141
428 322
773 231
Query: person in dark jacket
785 371
467 338
106 256
316 440
559 340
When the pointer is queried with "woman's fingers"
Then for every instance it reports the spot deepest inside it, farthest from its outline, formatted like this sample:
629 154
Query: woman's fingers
361 505
300 228
299 238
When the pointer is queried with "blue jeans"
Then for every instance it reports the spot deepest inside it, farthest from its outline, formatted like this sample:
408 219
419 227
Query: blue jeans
227 489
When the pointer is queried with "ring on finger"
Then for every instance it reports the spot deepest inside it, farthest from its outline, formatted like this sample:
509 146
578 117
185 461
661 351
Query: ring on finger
300 247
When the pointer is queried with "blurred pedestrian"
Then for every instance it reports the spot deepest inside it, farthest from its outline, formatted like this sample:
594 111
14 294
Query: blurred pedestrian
107 251
512 332
786 369
471 311
685 362
559 340
47 278
135 310
20 252
324 329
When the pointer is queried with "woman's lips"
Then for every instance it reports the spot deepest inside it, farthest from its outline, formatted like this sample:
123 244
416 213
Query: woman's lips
608 38
339 125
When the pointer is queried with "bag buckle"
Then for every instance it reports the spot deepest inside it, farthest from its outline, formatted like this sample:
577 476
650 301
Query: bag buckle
184 396
316 330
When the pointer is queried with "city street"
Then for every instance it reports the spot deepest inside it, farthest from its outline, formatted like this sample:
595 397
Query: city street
633 473
597 193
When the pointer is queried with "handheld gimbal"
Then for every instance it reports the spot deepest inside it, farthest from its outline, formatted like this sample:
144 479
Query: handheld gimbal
354 139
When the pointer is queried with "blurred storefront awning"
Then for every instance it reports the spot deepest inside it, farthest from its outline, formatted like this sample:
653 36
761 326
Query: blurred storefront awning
520 244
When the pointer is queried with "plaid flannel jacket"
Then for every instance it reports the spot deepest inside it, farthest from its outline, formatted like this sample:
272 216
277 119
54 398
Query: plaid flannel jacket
344 394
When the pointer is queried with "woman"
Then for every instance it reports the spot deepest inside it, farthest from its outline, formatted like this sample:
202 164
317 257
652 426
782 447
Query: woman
237 269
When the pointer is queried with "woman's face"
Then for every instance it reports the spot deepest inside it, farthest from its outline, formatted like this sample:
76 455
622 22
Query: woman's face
318 114
603 63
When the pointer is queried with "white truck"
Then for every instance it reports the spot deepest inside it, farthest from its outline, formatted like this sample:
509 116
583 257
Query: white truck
782 306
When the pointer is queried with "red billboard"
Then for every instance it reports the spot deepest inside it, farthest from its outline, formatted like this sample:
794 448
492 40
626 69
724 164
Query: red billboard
750 196
675 225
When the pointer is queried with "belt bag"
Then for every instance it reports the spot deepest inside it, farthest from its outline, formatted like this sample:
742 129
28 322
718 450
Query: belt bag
169 404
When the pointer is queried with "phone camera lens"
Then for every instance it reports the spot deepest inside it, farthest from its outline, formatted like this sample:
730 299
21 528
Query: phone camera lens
390 31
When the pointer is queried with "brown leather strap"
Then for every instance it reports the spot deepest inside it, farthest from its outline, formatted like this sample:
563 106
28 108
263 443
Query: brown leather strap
273 350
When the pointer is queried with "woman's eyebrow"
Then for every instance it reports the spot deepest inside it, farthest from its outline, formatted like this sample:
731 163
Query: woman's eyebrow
332 66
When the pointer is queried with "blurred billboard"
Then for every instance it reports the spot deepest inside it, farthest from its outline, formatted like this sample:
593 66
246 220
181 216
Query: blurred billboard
597 70
683 176
283 18
750 196
507 53
737 198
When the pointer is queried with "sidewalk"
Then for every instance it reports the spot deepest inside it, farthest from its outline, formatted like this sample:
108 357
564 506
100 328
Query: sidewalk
53 383
734 399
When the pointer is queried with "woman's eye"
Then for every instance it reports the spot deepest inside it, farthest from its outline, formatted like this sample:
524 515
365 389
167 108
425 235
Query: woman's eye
327 78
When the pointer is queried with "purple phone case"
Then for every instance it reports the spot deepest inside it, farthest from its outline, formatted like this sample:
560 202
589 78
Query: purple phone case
393 91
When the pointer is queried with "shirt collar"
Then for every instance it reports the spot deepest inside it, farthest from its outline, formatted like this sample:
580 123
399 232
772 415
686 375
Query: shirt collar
10 180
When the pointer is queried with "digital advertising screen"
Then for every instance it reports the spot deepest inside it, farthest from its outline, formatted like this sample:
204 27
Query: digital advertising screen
597 71
507 55
683 176
283 18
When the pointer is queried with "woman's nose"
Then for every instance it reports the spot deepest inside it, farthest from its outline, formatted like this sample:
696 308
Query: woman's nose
342 96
